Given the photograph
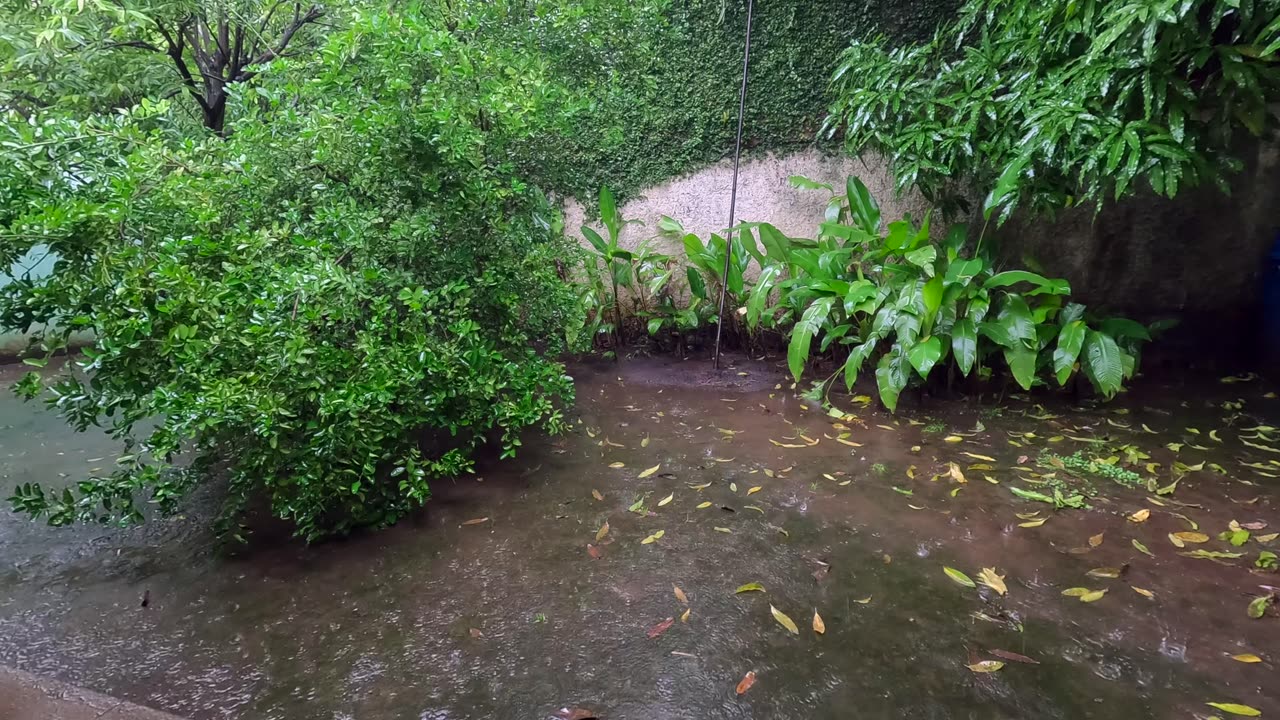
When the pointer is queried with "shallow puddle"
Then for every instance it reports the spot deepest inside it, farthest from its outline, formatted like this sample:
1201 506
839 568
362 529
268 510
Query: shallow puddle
855 518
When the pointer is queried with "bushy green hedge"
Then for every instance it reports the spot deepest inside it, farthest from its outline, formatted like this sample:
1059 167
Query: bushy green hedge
666 89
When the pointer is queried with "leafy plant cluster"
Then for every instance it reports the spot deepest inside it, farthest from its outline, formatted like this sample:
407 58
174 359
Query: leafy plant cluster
1078 463
334 305
1077 101
866 293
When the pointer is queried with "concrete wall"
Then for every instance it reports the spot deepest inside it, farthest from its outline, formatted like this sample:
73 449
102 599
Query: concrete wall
700 200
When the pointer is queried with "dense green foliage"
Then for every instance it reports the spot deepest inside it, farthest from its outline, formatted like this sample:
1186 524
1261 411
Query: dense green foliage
1075 102
336 304
893 296
664 79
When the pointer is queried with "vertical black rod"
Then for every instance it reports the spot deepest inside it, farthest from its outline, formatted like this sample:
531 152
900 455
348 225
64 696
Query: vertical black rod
733 194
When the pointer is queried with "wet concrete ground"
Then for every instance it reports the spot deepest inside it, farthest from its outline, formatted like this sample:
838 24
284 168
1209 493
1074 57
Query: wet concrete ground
517 617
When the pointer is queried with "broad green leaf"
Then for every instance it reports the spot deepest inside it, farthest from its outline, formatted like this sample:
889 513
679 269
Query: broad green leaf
1103 364
923 258
1015 318
931 295
1022 363
964 344
696 284
609 214
853 364
959 577
862 206
784 621
803 183
776 245
1070 341
892 374
1054 286
596 241
759 298
924 355
802 334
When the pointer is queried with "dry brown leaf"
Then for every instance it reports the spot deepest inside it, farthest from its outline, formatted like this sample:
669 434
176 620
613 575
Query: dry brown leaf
593 551
819 626
661 627
1096 540
596 494
747 681
680 594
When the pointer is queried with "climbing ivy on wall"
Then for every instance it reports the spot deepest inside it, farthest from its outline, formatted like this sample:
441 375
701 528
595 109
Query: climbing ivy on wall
667 104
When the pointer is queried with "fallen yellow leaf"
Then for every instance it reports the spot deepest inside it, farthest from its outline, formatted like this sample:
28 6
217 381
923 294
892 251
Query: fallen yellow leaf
819 626
666 500
784 621
989 578
1246 658
604 530
650 471
1140 516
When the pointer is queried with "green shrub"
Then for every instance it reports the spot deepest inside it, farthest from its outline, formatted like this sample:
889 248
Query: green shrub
896 296
335 305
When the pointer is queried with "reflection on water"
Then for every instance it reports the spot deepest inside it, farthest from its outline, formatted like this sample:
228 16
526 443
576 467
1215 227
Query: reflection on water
513 618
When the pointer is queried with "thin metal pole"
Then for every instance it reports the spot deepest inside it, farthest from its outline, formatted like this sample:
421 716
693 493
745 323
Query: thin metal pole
733 194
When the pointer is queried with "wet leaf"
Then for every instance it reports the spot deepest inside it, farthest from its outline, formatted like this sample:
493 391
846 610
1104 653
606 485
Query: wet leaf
819 626
1189 537
1142 548
661 627
1144 592
1096 540
653 538
952 439
755 489
753 507
604 530
722 530
700 487
594 552
476 521
1258 606
617 465
1105 572
1076 592
666 500
1140 516
747 681
733 487
783 620
650 471
637 506
684 617
986 666
975 456
1033 523
1266 538
954 470
1211 555
1236 709
475 633
903 491
1092 596
959 578
596 494
864 601
645 442
750 587
576 713
989 578
704 504
1246 658
680 594
1015 657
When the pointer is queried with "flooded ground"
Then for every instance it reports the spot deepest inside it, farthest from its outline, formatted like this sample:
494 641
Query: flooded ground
537 608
